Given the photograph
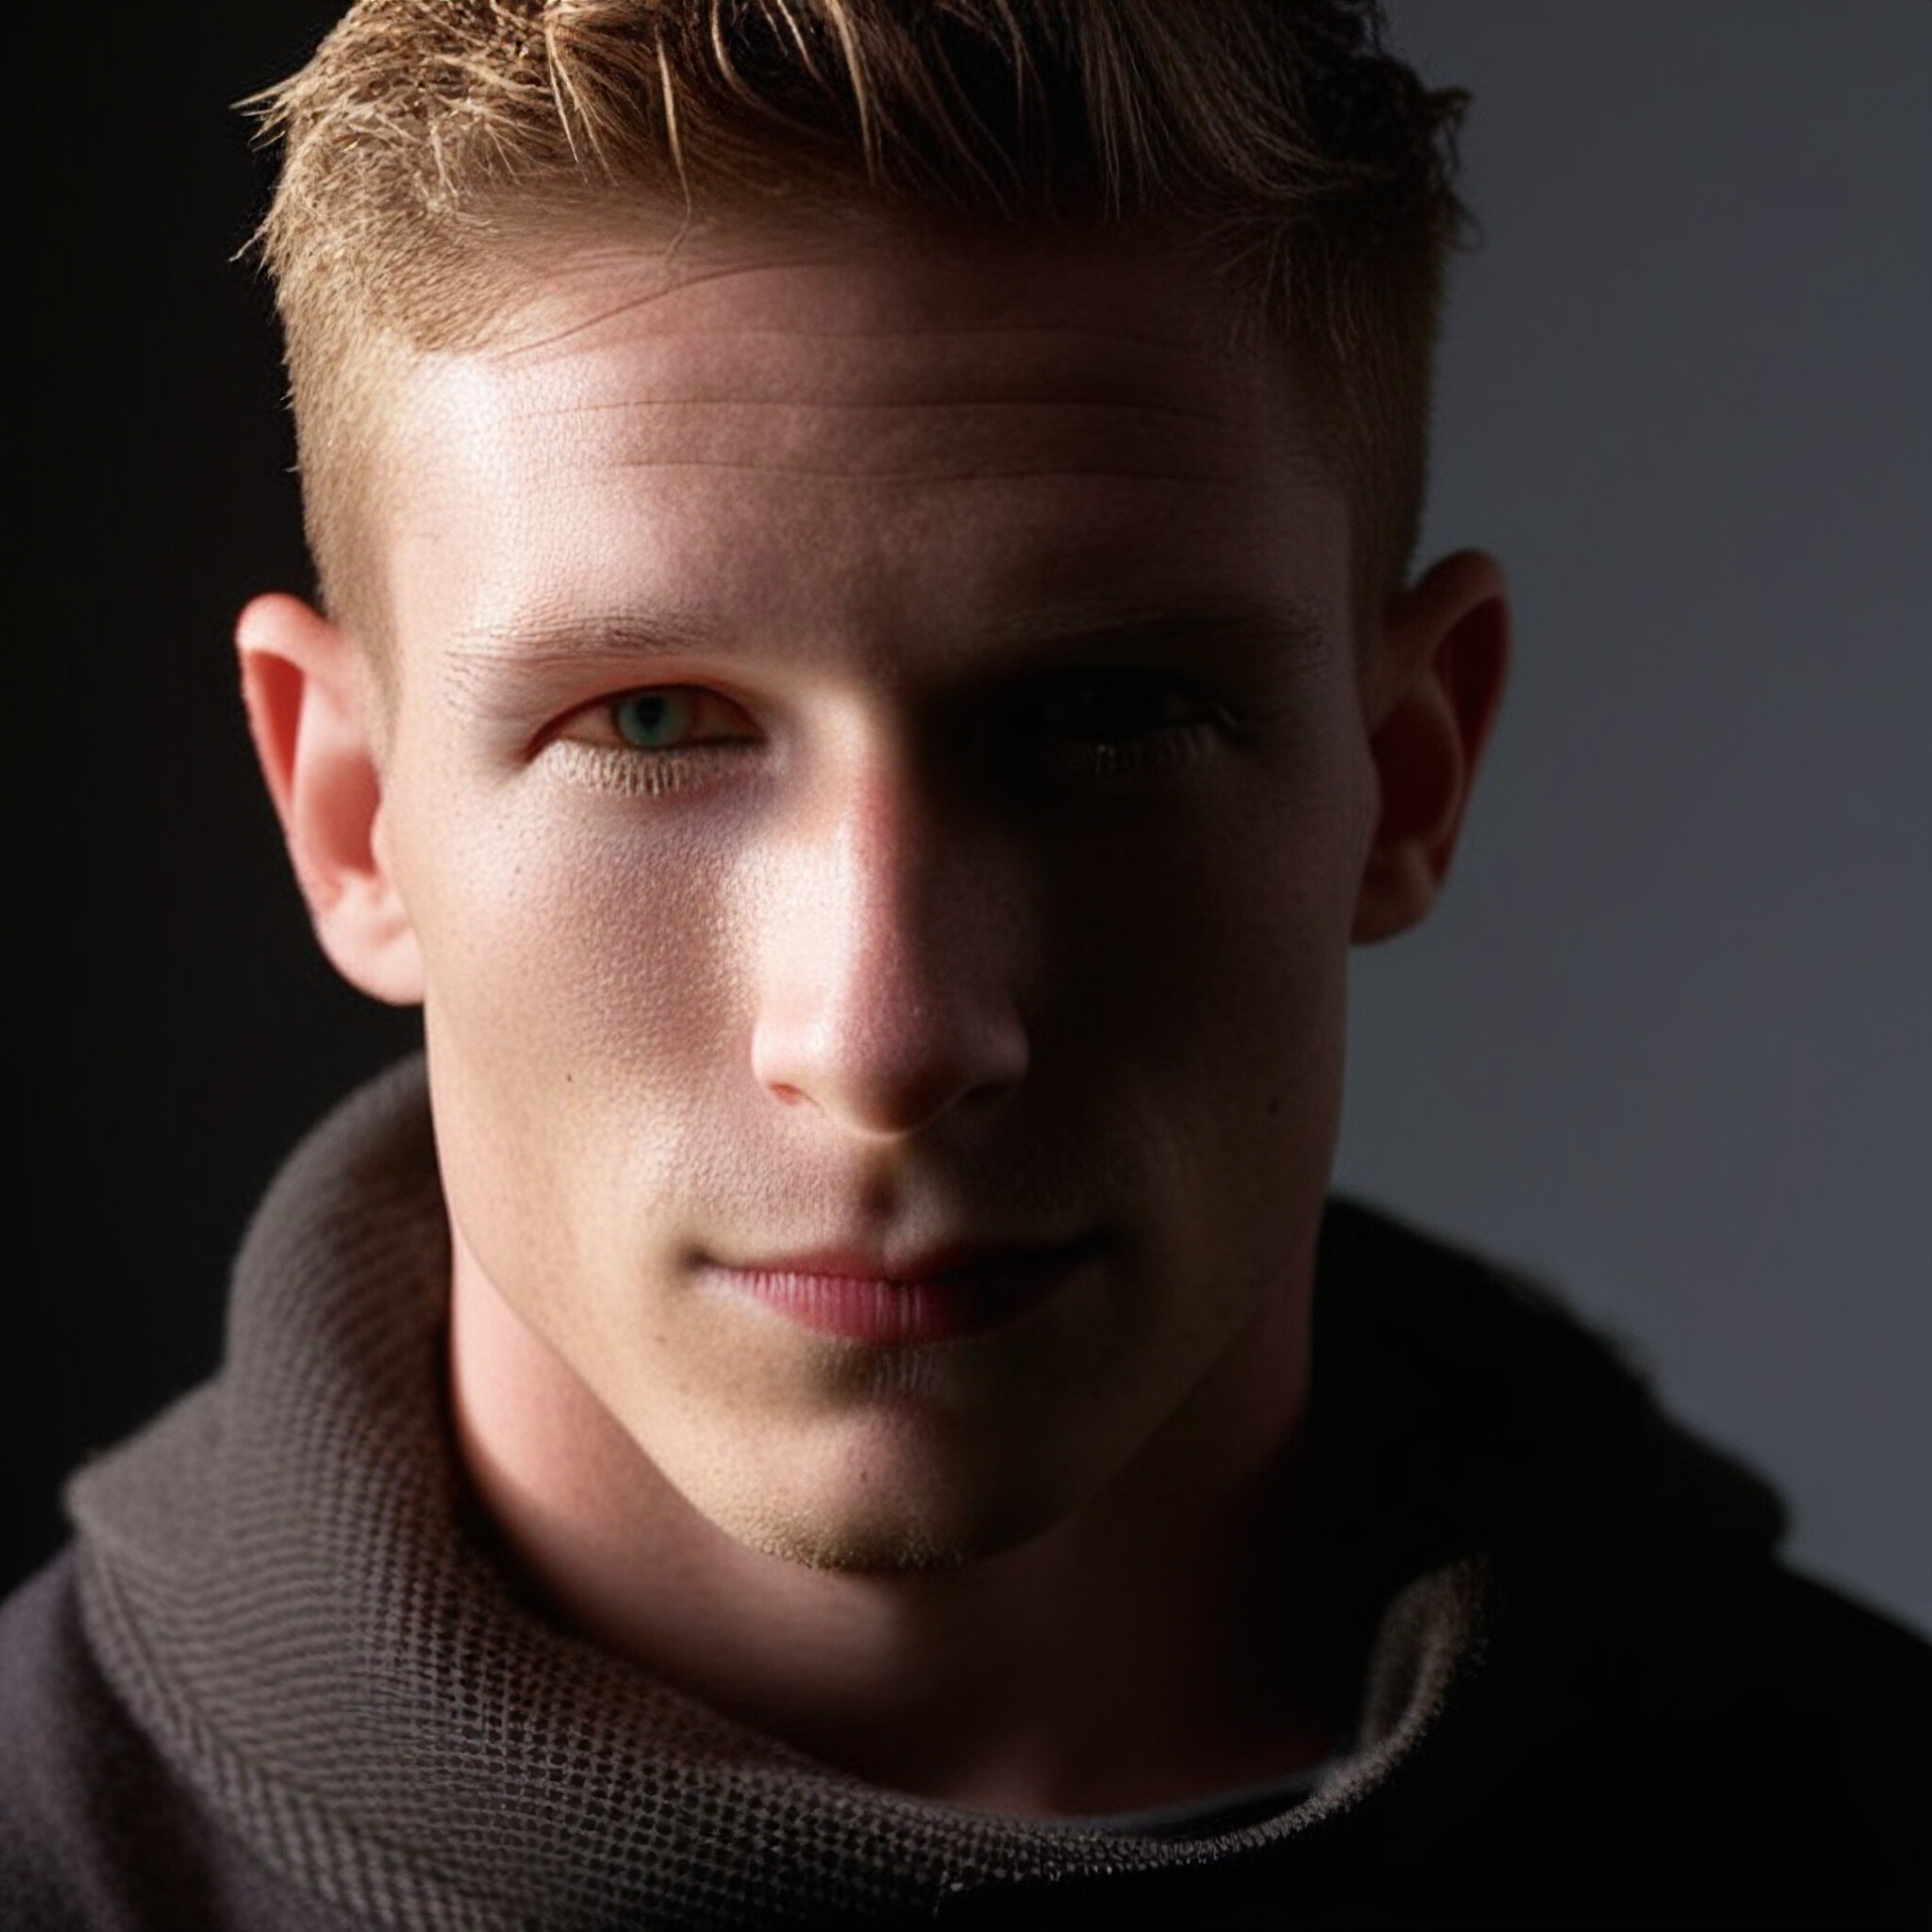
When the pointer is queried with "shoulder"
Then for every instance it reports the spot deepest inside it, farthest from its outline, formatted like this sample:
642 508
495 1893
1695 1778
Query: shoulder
1828 1653
96 1833
1801 1689
1661 1721
1701 1737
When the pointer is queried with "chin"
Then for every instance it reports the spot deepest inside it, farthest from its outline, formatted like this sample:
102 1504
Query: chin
872 1549
878 1522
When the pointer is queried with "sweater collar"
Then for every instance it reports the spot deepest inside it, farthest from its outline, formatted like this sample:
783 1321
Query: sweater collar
285 1580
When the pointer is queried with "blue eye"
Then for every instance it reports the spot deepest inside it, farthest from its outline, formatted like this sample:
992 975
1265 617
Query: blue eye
676 718
651 743
654 720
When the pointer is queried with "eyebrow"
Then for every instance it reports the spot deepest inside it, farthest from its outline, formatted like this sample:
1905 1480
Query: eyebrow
1212 622
571 640
1048 631
490 667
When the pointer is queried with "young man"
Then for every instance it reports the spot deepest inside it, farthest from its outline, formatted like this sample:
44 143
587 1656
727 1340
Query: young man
867 677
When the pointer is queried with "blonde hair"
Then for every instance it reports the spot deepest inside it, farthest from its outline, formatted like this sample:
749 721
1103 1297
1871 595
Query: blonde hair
423 134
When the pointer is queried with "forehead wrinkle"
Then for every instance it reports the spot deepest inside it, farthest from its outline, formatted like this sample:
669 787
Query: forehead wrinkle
875 403
788 432
881 335
1060 473
967 332
986 389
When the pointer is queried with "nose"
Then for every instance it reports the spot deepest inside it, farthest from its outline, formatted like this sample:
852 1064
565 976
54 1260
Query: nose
886 995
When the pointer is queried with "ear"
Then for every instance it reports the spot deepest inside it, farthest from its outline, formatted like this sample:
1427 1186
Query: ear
1430 693
313 713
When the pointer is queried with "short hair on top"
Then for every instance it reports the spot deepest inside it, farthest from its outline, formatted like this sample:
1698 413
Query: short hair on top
427 142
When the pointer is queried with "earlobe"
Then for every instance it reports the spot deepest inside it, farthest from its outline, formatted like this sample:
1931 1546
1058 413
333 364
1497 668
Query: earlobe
312 714
1431 698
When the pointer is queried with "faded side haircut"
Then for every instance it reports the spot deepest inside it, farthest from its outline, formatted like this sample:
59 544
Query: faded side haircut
427 140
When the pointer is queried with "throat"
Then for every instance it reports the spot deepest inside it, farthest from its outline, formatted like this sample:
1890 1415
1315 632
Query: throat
1144 1651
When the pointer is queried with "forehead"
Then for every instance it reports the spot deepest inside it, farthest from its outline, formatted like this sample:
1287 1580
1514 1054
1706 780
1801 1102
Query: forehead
853 440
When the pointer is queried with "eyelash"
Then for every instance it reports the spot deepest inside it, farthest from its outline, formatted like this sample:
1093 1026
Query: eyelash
1127 749
638 773
1107 761
1167 725
616 763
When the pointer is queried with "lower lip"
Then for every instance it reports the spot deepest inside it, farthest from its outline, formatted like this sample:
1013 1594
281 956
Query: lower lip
944 1307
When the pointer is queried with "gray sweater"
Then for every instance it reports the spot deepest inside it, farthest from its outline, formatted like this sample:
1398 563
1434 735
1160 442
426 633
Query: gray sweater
280 1680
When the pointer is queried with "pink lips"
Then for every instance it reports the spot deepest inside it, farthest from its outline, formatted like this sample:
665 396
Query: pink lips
936 1297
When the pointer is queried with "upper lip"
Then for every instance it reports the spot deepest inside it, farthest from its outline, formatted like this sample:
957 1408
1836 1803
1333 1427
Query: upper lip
857 1261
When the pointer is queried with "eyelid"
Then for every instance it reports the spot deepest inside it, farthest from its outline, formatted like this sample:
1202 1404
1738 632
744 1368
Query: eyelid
579 726
1169 701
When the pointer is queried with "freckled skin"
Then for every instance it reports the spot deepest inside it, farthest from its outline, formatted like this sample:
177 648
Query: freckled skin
863 978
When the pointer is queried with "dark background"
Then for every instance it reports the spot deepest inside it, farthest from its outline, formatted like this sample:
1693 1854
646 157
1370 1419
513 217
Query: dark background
181 1028
1668 1038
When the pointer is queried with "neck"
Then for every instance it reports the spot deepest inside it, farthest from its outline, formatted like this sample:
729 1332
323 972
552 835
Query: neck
1141 1652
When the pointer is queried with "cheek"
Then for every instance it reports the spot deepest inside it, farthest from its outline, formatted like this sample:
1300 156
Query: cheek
550 936
1212 939
583 1017
1205 999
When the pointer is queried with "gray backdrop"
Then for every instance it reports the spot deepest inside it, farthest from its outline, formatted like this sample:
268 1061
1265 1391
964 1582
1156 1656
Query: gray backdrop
1666 1041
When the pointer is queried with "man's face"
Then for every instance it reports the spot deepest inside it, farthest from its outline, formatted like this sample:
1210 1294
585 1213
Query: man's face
880 788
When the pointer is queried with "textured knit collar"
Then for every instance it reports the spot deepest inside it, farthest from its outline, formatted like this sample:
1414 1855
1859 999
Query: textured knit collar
283 1580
